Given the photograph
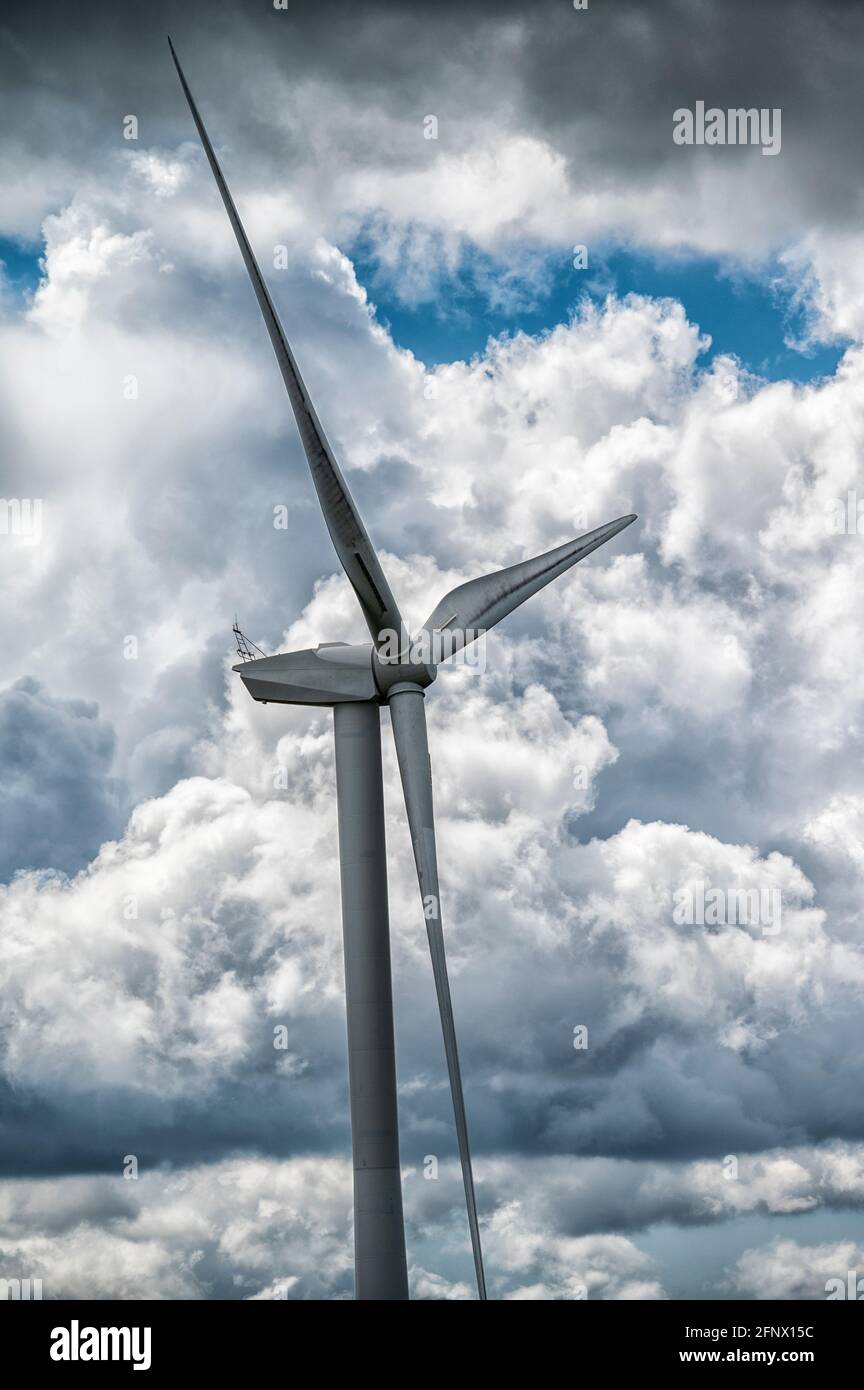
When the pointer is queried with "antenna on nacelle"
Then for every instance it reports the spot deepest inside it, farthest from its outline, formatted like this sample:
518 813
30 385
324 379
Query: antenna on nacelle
245 649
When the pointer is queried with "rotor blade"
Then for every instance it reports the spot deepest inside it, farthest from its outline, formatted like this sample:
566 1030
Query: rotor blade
408 717
479 604
353 546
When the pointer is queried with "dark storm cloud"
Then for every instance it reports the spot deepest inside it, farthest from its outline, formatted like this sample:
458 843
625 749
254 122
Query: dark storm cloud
658 1096
250 1115
600 84
59 801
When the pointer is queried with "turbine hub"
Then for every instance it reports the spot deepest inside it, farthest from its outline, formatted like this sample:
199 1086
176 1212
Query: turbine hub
401 670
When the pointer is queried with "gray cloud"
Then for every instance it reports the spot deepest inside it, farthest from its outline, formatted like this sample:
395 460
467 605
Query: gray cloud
599 87
59 800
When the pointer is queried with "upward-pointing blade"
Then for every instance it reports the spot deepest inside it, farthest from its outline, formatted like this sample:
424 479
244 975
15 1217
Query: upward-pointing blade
408 716
353 546
479 604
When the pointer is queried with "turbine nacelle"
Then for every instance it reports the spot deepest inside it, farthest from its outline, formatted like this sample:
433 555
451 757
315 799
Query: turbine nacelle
325 675
332 673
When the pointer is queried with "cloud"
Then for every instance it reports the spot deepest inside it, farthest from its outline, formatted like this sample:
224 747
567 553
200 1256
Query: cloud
250 1229
839 829
171 1020
534 122
630 1196
786 1270
605 1267
263 1229
138 994
148 987
237 1230
682 709
77 256
59 798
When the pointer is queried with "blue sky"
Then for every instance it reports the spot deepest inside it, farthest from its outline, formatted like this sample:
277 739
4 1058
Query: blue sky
755 315
20 266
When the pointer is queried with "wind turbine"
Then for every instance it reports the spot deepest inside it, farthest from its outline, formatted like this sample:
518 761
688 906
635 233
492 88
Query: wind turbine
356 680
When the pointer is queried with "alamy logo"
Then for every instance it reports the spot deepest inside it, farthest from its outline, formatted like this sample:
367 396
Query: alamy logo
738 126
845 518
21 516
852 1287
715 907
466 644
20 1289
76 1343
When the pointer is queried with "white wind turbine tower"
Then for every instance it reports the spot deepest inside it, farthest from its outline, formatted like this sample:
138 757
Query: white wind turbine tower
356 681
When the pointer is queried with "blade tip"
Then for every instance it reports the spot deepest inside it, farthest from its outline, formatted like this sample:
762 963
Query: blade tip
614 528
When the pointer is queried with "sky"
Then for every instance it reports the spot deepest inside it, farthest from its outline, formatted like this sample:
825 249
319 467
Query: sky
680 714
